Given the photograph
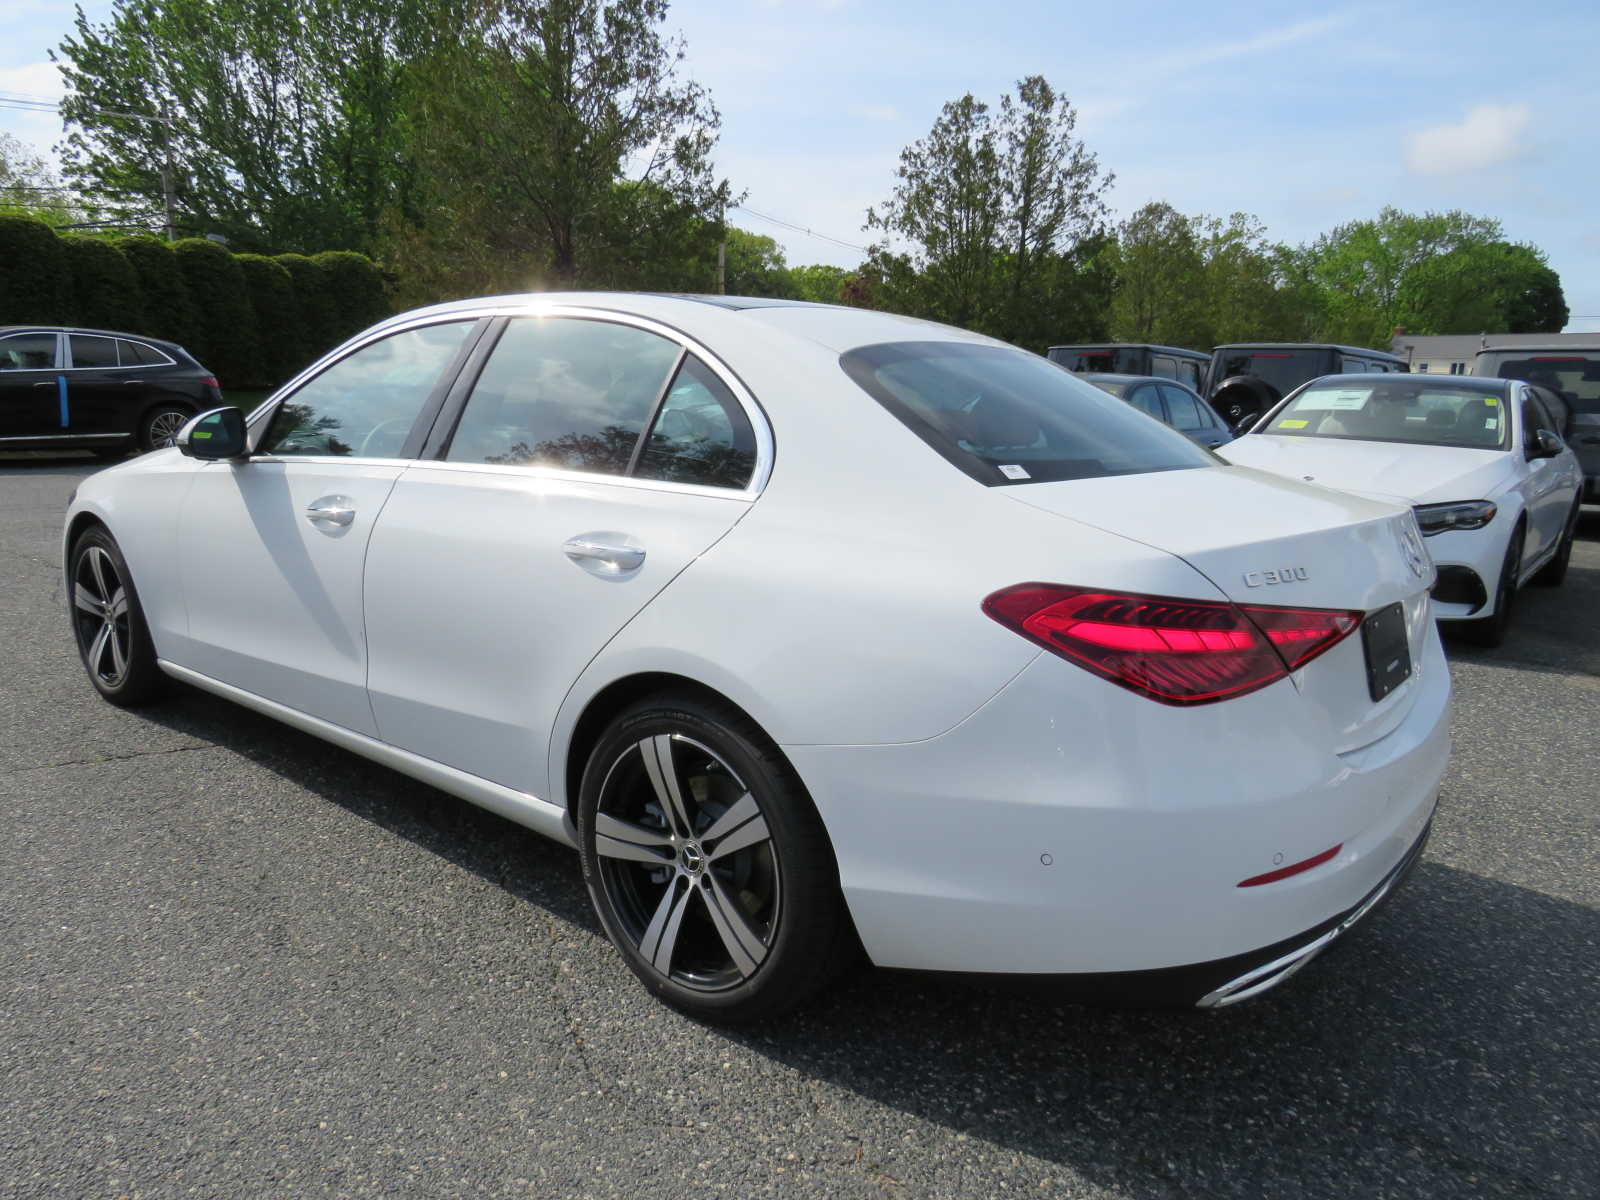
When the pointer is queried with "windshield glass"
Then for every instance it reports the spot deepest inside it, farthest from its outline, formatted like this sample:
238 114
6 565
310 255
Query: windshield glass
1285 370
1396 409
1575 375
1005 416
1111 360
1114 386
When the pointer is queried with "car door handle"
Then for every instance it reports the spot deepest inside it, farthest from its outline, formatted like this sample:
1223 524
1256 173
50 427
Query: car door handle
331 510
46 383
603 557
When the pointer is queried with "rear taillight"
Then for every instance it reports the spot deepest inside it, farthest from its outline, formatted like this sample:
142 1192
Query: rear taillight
1172 650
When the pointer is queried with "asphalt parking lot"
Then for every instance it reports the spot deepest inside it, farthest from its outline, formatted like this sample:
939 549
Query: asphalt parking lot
235 961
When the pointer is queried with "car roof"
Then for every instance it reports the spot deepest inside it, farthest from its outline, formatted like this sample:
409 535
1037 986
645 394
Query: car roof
1131 346
835 327
1551 349
1367 350
1111 377
113 333
1466 383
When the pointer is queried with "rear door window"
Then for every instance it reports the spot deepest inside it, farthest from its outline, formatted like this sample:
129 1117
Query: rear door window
93 351
700 434
1146 400
1007 417
1164 365
1183 410
566 392
137 354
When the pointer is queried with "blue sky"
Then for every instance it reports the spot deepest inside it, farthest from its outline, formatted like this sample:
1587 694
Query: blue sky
1304 117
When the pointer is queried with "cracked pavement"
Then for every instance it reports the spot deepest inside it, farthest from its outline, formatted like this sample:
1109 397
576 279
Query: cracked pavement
235 961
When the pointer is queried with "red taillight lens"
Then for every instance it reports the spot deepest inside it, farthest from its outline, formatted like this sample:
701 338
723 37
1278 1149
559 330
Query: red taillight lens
1172 650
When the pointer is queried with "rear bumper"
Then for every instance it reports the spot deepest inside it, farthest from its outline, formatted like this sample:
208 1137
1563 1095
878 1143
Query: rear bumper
1215 984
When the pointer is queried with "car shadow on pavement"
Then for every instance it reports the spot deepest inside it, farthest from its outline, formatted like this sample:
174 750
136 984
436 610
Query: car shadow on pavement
1452 1038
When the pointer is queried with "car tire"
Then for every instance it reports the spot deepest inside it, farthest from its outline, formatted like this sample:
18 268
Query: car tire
160 426
1490 631
1554 572
108 623
707 863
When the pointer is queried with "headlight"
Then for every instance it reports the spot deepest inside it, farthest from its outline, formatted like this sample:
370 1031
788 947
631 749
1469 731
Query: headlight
1458 514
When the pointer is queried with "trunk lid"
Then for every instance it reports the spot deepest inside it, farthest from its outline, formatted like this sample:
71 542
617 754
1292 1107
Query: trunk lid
1265 540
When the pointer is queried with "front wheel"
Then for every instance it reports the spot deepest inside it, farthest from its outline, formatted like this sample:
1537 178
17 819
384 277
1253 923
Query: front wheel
1490 631
707 863
108 623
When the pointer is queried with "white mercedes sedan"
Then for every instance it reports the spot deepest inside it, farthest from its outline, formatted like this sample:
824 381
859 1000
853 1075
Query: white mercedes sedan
810 628
1497 491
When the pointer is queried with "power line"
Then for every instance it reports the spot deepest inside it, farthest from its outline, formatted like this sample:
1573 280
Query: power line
800 228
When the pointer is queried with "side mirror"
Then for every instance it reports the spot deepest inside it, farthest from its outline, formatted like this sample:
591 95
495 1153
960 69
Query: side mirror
1546 445
219 433
1244 424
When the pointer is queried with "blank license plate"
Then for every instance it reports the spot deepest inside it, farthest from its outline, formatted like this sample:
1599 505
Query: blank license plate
1383 634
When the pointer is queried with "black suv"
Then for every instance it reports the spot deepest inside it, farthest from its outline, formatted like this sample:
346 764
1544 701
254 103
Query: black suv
87 389
1249 378
1134 358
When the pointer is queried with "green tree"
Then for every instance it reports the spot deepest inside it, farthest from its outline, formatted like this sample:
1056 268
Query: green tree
271 293
985 209
528 122
35 287
282 116
1360 267
226 334
1160 280
1491 287
818 283
169 311
28 187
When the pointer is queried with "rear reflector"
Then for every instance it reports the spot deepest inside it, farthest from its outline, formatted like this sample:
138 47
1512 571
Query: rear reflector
1173 650
1315 860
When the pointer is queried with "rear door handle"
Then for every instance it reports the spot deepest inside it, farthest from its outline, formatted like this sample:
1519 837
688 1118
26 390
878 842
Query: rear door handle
47 383
596 553
331 510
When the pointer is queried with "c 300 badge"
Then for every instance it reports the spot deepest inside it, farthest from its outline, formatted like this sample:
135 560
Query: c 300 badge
1281 575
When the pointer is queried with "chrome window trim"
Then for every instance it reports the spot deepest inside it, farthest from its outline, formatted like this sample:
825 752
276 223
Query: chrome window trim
560 475
64 351
765 450
67 437
167 360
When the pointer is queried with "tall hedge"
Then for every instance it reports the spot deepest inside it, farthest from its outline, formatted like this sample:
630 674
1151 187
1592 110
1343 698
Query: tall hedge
314 315
355 290
169 310
226 341
34 285
105 290
277 320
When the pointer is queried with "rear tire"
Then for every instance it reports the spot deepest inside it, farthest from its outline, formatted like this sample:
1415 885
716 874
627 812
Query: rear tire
108 623
707 863
161 425
1554 572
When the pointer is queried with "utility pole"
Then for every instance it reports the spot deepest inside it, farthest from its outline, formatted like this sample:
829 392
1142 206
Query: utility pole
169 200
722 254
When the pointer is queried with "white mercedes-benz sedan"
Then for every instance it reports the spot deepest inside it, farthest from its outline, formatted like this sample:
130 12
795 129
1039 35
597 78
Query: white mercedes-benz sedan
1497 491
806 626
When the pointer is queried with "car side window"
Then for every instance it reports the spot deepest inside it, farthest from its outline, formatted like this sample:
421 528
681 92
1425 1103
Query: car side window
564 392
1184 412
1144 398
1164 365
137 354
90 351
365 404
28 352
700 434
1189 372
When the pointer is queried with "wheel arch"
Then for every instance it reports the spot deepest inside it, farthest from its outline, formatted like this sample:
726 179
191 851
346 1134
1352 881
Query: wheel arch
604 706
75 529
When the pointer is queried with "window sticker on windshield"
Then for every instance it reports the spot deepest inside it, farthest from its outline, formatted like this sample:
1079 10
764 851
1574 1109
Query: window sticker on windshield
1351 398
1293 424
1012 471
1492 401
1325 399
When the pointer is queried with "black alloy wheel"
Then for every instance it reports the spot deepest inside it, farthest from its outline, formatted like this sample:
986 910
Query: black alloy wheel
1554 572
161 426
707 863
108 623
1490 631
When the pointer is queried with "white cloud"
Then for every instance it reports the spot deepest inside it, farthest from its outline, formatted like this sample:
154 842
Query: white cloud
33 81
1489 135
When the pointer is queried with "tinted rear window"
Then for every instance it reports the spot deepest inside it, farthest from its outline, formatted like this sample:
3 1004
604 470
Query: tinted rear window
1285 370
1108 360
1006 416
1574 376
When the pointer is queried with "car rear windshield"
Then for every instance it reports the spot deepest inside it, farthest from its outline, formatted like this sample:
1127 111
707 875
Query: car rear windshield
1574 374
1285 370
1106 360
1396 409
1005 416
